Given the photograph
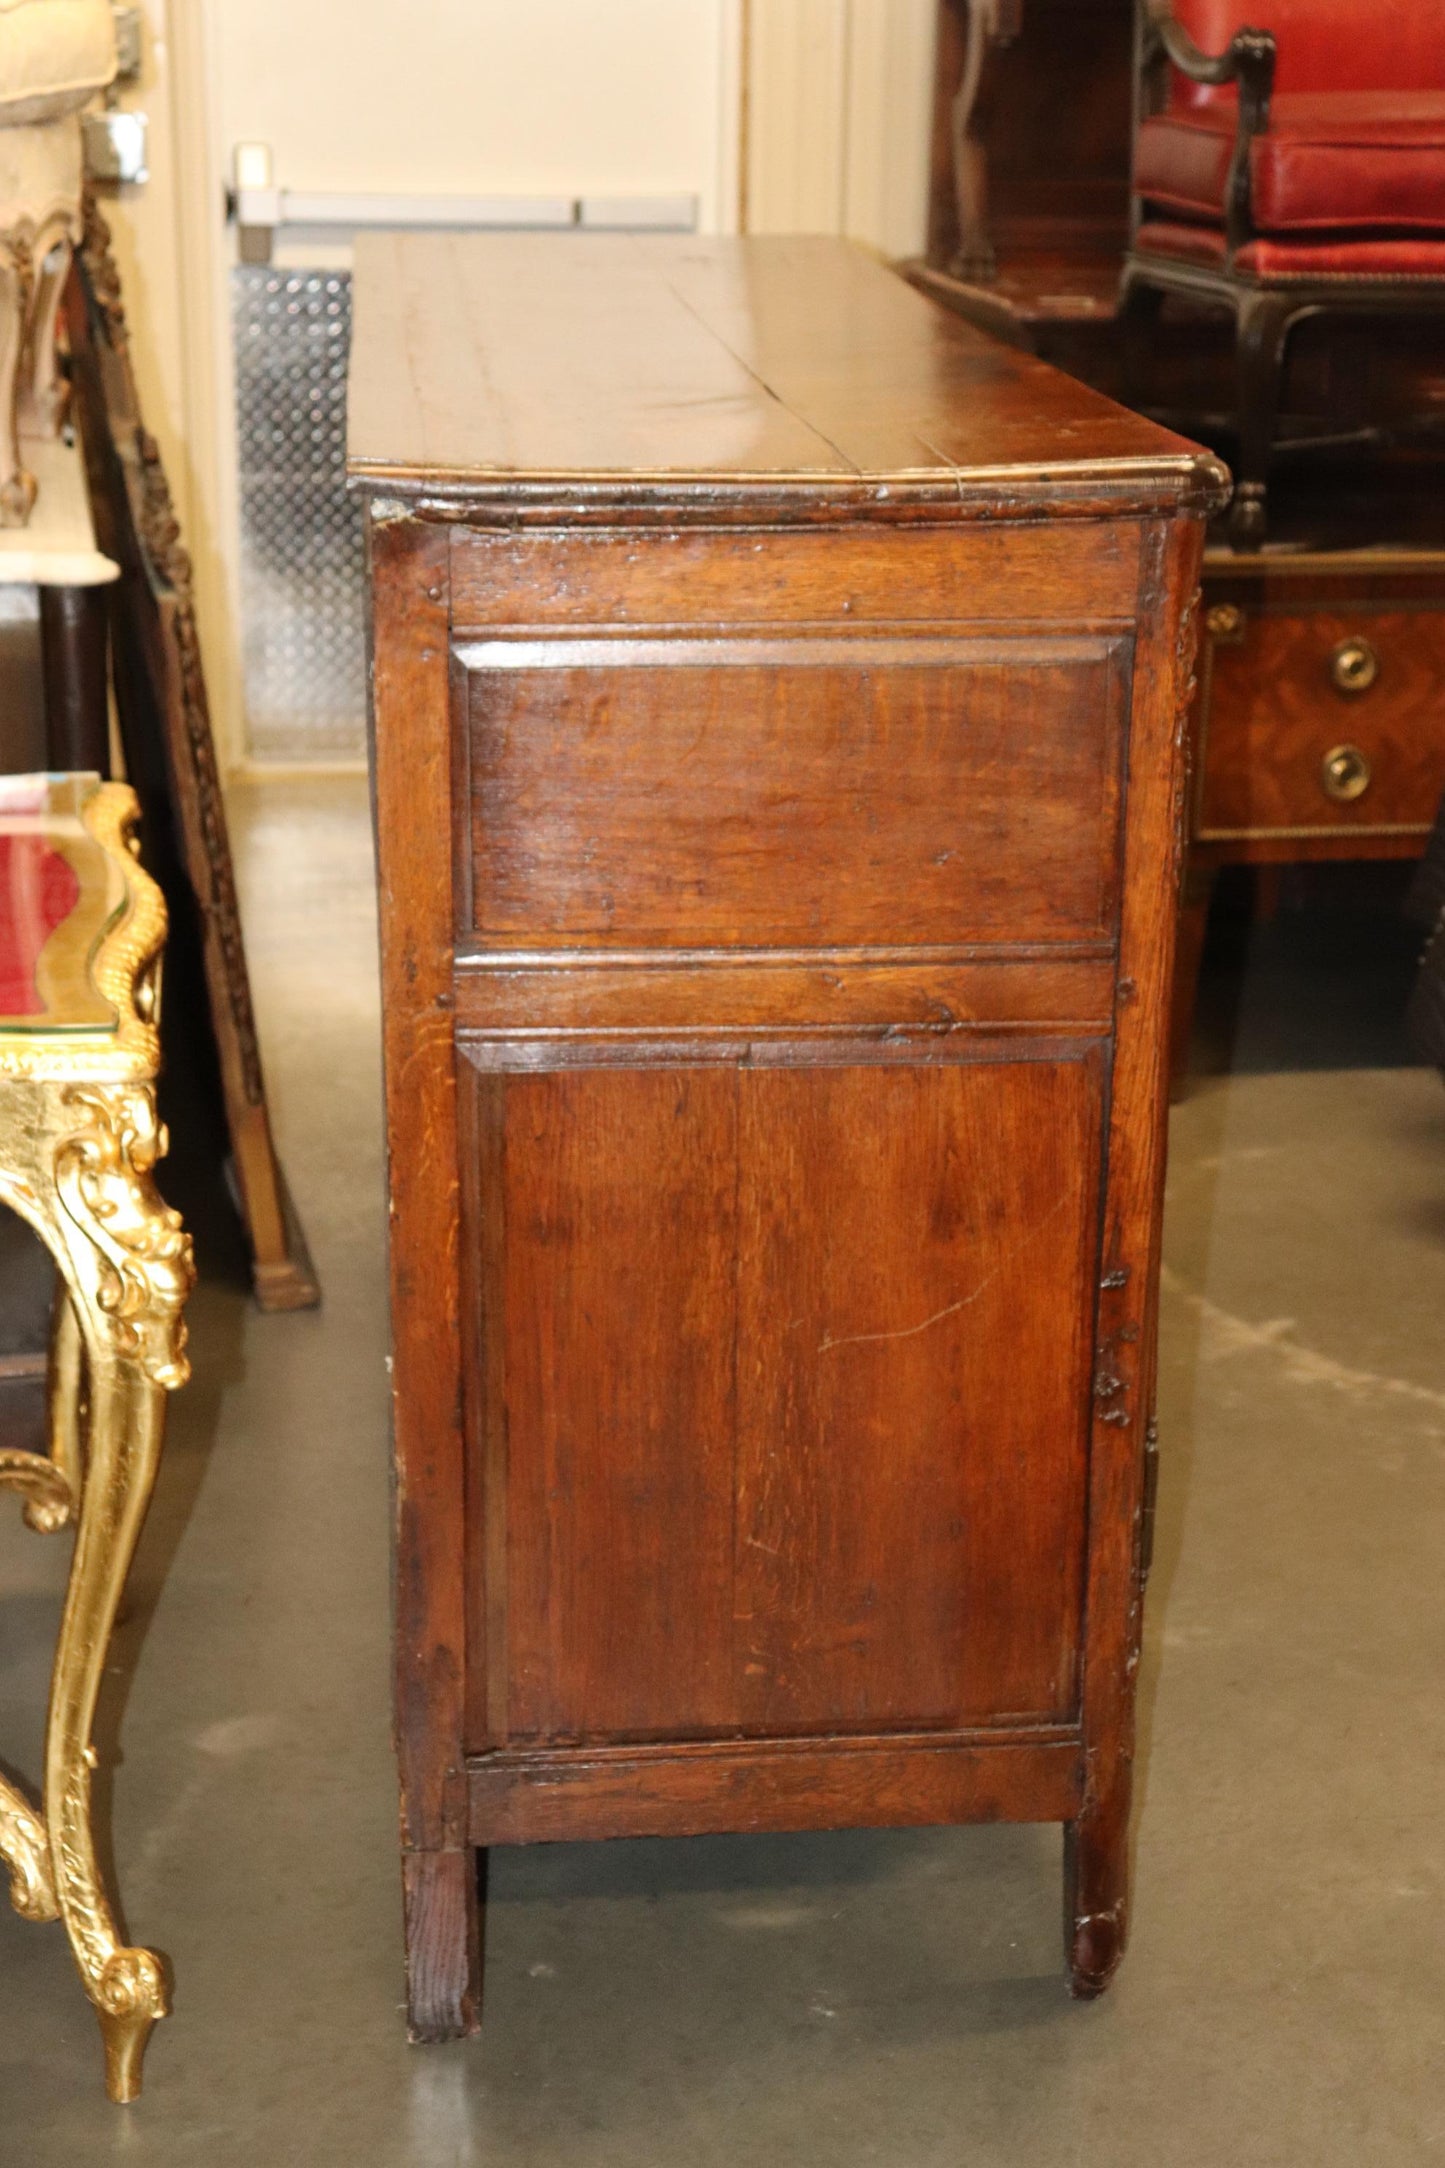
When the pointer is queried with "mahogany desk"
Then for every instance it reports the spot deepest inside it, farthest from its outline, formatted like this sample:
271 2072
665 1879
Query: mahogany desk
778 697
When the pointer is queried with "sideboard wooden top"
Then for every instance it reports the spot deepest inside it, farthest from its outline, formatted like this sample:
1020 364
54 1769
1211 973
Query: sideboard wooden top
495 367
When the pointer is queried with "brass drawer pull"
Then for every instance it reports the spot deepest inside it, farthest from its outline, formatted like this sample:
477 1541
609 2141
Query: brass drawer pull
1345 773
1354 666
1225 622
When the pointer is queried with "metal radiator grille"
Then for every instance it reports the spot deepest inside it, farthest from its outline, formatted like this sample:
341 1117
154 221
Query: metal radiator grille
302 558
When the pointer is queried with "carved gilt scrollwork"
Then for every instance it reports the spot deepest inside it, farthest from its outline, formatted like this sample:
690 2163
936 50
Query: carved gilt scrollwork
103 1176
48 1501
26 1852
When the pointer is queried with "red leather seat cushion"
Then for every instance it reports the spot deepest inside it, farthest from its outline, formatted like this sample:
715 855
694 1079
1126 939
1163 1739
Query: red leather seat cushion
1330 256
1336 161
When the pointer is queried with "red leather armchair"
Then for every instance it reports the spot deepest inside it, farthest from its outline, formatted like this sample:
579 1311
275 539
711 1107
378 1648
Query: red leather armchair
1288 170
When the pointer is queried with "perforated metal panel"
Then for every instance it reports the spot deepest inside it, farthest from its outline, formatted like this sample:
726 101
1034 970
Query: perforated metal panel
302 559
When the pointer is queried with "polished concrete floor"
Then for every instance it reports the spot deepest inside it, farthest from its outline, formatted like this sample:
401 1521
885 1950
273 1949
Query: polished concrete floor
862 1998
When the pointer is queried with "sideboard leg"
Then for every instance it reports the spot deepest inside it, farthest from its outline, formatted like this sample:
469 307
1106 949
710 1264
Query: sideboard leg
1096 1893
442 1895
1194 905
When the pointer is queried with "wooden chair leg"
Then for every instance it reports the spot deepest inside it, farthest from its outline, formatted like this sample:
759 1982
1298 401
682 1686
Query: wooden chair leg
1140 307
1261 333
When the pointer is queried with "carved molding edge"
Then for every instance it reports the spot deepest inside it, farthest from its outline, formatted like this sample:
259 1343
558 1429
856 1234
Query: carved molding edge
160 533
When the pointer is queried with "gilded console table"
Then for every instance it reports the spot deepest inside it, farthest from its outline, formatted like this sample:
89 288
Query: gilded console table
81 933
779 694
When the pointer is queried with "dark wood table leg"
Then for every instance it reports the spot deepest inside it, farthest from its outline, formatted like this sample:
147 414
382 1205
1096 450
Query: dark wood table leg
73 658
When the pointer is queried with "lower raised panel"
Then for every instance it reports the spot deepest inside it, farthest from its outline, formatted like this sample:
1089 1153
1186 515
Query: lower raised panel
781 1396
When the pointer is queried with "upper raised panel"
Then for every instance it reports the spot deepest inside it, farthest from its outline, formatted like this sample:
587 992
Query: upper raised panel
1081 573
823 792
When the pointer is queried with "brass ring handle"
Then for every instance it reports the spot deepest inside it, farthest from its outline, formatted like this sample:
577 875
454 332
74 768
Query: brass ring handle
1345 773
1354 666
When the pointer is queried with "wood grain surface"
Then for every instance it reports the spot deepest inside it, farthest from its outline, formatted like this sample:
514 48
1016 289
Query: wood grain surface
700 357
664 793
753 1319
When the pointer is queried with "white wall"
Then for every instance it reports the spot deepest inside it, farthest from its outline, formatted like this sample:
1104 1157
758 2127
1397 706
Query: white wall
474 97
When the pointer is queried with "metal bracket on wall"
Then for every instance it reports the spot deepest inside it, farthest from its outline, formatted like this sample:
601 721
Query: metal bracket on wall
115 146
258 207
114 141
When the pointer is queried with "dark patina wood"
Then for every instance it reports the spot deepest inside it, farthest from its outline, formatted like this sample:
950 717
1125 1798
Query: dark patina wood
778 737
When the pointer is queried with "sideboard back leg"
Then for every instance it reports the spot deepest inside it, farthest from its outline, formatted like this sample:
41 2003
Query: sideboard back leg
442 1893
1096 1891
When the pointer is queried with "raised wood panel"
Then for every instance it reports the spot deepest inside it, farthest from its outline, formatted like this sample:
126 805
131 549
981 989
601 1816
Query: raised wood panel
803 792
1271 712
796 1395
619 1240
1085 574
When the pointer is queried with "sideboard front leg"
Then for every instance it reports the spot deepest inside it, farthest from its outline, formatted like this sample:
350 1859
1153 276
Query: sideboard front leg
443 1901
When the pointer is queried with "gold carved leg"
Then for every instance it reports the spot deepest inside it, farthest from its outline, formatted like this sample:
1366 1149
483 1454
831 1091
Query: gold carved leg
65 1387
48 1489
77 1160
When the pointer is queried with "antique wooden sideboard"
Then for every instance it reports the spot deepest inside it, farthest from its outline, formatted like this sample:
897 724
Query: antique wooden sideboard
778 697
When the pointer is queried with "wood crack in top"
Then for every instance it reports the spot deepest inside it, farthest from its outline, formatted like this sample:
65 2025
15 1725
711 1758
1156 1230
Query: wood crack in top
762 382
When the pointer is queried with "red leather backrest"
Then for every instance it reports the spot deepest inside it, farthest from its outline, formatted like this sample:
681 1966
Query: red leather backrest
1324 44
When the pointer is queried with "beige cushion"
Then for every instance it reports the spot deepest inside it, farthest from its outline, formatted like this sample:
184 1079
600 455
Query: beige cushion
54 56
40 174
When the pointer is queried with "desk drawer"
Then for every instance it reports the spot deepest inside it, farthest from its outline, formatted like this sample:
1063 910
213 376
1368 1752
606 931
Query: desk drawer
670 792
1320 724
